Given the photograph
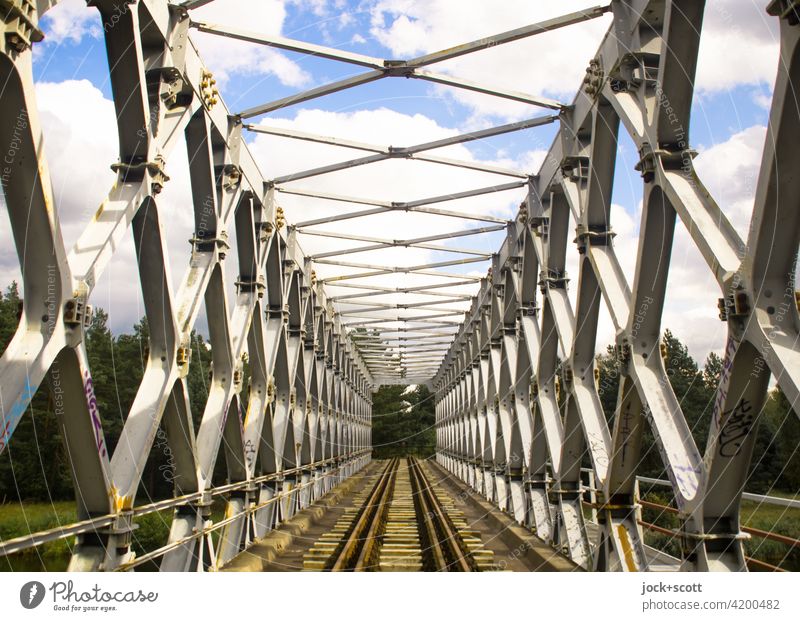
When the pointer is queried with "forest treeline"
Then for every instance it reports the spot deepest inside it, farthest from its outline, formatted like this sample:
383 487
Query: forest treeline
35 466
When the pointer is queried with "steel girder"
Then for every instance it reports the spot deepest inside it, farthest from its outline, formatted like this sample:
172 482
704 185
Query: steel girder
517 401
304 423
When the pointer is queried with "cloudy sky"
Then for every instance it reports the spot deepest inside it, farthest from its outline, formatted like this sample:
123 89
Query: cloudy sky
738 60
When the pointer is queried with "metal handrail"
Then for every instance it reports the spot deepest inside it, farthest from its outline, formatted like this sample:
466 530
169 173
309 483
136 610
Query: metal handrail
38 538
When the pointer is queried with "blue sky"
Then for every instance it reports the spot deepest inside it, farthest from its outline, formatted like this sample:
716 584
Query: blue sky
737 65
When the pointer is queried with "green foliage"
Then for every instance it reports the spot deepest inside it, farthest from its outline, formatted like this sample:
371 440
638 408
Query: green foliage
9 314
608 384
18 519
403 422
151 532
35 465
776 462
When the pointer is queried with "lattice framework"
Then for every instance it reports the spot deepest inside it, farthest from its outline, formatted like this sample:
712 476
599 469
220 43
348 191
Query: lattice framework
513 417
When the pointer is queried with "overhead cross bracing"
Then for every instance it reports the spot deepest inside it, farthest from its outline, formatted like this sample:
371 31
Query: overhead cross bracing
492 329
393 363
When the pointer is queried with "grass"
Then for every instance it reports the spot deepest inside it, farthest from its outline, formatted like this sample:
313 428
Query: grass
21 519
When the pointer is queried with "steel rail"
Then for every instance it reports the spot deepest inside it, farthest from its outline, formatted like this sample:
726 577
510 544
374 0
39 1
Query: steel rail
444 543
355 552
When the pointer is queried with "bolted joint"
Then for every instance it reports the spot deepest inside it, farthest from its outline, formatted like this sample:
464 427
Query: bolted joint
136 171
734 306
669 159
593 235
400 152
229 176
183 355
522 214
622 352
617 85
575 167
208 89
167 84
528 309
568 375
593 81
77 313
20 24
636 69
248 284
397 69
265 230
540 226
280 218
217 244
121 529
552 279
647 163
508 329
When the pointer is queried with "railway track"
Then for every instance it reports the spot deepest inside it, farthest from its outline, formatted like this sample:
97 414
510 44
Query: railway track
402 522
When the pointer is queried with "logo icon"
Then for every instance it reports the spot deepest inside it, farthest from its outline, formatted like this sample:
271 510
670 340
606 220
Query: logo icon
31 594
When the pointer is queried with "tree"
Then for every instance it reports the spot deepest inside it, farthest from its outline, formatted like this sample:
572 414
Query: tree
403 421
776 456
608 382
9 314
712 371
34 464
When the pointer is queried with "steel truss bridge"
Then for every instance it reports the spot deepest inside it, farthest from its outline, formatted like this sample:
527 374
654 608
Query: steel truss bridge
316 354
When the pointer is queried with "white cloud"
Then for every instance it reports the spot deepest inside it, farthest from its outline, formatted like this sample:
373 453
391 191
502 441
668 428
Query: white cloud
390 181
71 20
729 171
226 57
80 161
739 46
553 63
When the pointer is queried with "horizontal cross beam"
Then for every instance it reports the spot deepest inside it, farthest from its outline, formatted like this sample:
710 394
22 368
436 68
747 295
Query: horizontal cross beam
427 269
381 68
417 242
385 153
384 207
